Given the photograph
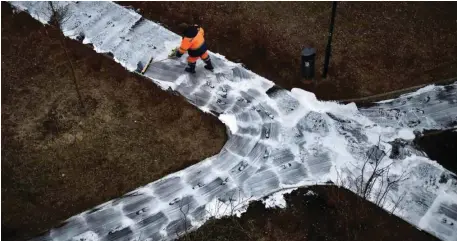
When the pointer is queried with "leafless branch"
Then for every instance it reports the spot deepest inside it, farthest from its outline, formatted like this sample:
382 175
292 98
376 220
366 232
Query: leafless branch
397 203
378 175
184 215
59 15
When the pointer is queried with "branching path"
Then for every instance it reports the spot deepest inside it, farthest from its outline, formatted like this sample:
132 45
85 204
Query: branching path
278 140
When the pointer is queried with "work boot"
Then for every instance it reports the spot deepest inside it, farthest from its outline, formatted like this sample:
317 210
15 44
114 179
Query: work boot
209 65
190 68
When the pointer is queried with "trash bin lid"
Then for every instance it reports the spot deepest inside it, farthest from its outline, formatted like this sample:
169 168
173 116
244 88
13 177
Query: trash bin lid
308 51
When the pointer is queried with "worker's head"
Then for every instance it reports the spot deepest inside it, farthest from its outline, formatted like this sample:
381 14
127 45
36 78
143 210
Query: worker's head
191 31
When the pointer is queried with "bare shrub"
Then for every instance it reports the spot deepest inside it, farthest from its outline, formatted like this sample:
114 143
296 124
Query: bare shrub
374 181
59 14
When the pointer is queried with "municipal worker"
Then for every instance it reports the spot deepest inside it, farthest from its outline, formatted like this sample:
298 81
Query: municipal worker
194 43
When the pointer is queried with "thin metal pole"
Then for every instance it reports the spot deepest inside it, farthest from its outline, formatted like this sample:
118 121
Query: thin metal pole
329 43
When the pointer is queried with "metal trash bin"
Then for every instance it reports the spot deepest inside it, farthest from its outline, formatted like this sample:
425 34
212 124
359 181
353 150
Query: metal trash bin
308 56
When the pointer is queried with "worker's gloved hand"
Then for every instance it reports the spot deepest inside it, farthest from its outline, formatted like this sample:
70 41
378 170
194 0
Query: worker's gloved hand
175 54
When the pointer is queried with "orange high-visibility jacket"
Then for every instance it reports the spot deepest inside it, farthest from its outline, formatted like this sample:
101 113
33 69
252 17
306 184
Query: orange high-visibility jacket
194 44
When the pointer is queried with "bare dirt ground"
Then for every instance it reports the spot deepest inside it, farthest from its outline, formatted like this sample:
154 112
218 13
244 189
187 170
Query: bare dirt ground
377 46
57 162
